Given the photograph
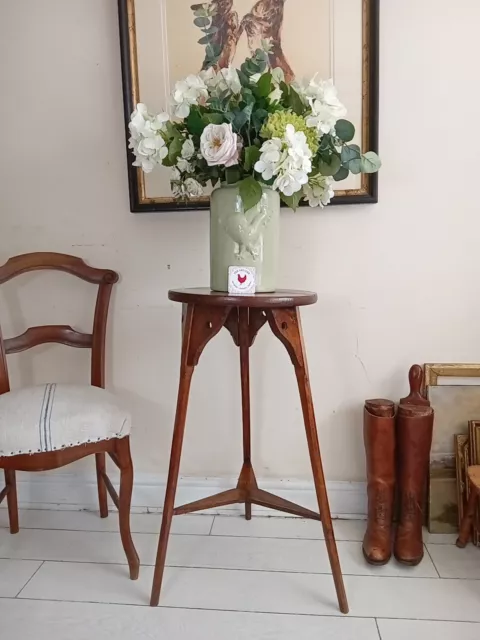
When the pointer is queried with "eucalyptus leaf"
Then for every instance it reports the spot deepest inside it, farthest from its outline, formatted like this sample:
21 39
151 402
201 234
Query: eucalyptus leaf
204 40
355 165
341 174
370 162
292 202
258 118
201 22
330 168
345 130
350 152
252 154
250 192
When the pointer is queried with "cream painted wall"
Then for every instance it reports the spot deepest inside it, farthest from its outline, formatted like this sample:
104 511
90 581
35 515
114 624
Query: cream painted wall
398 282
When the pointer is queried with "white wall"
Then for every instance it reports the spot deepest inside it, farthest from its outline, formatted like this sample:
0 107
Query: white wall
397 282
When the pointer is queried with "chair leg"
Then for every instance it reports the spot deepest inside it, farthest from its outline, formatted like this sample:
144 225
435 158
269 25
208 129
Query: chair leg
125 499
286 325
466 526
102 489
11 483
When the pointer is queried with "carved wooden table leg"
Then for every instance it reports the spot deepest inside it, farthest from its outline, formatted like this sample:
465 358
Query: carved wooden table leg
286 325
200 325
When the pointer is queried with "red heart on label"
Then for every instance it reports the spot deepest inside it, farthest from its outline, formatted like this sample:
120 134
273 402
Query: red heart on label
241 279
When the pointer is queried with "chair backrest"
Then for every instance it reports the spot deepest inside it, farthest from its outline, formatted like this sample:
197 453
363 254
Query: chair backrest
61 334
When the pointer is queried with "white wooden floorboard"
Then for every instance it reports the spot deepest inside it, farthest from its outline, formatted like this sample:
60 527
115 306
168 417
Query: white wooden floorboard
255 554
258 591
452 562
14 575
428 630
350 530
91 521
34 620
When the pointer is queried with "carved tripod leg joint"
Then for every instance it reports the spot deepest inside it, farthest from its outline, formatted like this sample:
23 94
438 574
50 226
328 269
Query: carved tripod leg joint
286 326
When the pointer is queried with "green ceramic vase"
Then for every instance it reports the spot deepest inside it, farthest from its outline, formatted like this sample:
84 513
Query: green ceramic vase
244 239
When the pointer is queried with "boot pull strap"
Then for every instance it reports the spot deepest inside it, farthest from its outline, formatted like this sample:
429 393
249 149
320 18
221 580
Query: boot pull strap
415 397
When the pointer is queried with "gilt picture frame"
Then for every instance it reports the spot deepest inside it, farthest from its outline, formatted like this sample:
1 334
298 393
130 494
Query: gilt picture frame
153 60
454 394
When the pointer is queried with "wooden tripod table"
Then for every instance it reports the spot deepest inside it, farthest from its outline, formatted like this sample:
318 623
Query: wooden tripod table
205 313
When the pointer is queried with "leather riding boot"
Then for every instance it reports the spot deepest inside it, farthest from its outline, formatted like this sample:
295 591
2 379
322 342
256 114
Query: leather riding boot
379 437
414 441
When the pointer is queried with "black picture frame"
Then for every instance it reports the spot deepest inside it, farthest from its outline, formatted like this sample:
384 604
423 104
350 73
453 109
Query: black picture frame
368 194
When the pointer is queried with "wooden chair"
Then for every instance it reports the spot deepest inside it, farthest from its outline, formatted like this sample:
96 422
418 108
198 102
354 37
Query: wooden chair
473 501
50 426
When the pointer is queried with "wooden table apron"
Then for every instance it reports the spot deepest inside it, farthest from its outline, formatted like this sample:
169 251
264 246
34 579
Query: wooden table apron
205 313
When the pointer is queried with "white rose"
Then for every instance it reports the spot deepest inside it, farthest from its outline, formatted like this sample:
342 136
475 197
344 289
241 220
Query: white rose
219 145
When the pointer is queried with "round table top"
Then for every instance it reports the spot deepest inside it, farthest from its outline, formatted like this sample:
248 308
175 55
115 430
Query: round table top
277 300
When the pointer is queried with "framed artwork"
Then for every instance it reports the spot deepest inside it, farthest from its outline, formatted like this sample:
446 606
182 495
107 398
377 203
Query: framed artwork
454 394
337 39
474 459
462 460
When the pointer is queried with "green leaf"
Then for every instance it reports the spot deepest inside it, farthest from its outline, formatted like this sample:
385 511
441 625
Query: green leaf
370 162
258 118
295 102
250 192
252 154
213 118
204 40
330 168
264 85
350 152
341 174
244 79
345 130
211 30
201 22
292 202
242 117
195 124
175 149
232 175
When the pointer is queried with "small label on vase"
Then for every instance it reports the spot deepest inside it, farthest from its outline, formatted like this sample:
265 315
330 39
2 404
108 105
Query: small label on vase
241 280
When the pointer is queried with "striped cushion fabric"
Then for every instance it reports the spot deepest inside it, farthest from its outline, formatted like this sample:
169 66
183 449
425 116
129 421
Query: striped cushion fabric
55 416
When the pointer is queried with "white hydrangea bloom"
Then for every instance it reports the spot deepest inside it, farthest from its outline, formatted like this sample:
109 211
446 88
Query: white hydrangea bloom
271 157
193 189
290 160
326 107
319 191
145 138
224 80
190 91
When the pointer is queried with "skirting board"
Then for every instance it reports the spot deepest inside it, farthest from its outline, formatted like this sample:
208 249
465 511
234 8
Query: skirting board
79 492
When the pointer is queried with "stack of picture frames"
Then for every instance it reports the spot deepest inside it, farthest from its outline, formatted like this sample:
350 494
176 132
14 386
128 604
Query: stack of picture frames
454 393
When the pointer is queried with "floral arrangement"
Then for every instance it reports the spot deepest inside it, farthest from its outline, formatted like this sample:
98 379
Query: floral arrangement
248 126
